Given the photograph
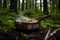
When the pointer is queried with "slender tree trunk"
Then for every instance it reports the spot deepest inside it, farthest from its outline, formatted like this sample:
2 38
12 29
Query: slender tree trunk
56 4
22 5
13 5
30 4
26 4
35 3
18 4
59 5
52 6
0 4
45 7
4 3
40 5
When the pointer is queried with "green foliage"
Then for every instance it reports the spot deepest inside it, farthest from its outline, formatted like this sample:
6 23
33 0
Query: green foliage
33 14
6 19
50 23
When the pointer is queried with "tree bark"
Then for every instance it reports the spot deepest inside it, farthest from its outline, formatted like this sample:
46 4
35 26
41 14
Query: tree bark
4 3
0 4
22 5
26 4
35 4
59 5
32 4
18 4
53 6
45 7
40 5
13 5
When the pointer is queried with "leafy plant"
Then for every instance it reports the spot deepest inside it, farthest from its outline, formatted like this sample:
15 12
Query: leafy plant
6 19
33 14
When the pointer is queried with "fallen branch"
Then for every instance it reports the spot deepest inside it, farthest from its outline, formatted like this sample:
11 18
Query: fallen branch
46 37
51 34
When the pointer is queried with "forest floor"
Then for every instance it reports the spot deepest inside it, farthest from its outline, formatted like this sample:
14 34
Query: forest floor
12 34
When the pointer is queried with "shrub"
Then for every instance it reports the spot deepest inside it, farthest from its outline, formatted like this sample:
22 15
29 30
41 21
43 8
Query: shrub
6 20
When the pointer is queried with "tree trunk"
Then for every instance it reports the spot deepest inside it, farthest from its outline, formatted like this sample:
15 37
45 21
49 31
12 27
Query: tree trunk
45 7
18 4
53 6
59 5
56 4
4 3
40 5
13 5
22 5
26 4
32 5
35 4
0 4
